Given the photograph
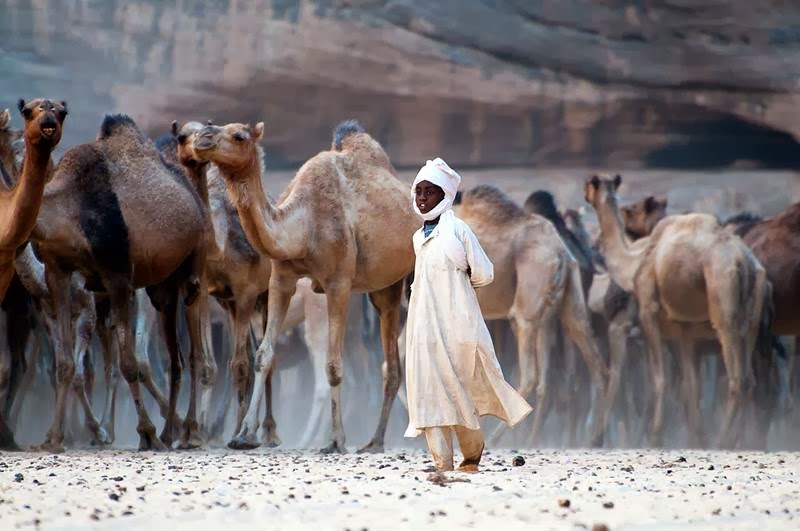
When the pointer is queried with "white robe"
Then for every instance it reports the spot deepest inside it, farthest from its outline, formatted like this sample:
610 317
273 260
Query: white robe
452 373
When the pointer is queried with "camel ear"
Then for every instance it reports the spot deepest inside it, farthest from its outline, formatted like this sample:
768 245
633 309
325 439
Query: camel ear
594 180
64 105
661 203
21 106
617 181
258 131
650 204
5 117
175 128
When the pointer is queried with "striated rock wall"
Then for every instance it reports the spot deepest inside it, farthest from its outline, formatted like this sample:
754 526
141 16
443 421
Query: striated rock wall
623 83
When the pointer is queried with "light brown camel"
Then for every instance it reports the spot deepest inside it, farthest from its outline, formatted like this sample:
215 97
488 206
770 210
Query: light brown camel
19 207
537 286
122 216
9 170
691 280
346 222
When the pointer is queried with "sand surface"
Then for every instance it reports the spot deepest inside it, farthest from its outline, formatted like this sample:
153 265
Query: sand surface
632 489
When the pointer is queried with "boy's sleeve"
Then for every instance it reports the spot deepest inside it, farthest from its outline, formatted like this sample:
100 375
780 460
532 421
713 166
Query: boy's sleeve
482 270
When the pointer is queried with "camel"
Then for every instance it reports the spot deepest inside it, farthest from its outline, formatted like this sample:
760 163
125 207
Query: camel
538 287
541 202
9 170
121 215
690 280
641 217
238 275
18 207
346 222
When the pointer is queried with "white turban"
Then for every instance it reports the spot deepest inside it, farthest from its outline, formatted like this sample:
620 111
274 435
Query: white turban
437 172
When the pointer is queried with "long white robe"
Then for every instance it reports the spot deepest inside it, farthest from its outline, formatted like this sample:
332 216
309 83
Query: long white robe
452 373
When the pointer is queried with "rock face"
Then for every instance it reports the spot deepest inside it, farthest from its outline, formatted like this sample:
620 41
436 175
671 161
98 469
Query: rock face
622 83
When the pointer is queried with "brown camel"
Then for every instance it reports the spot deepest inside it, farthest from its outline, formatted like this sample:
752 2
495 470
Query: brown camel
538 287
691 280
117 212
19 207
776 243
641 217
346 222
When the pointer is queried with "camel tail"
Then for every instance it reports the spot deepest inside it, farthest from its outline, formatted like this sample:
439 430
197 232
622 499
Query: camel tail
343 131
766 342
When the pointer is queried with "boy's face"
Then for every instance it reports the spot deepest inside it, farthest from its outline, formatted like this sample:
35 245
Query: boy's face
427 195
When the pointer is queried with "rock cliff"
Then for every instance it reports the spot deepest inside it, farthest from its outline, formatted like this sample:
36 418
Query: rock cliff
623 83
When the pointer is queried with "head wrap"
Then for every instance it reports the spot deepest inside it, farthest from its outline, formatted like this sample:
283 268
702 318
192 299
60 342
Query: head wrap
439 173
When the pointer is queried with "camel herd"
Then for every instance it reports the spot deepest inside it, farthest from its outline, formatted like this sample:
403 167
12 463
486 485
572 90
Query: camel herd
103 251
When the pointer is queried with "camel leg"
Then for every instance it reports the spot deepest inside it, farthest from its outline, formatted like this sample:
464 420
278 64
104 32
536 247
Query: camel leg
121 296
202 367
651 328
618 330
146 317
168 322
26 382
689 361
337 296
387 304
209 370
5 361
240 362
58 282
84 328
281 288
6 435
315 333
575 320
110 369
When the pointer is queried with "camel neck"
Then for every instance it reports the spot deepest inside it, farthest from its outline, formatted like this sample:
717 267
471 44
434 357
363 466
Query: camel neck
620 260
23 202
278 232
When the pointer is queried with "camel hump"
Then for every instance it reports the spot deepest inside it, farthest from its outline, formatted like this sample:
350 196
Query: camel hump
491 204
543 203
116 123
343 131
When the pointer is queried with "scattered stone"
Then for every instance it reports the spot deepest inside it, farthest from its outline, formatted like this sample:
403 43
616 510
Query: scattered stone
600 527
564 502
681 459
114 496
628 468
18 477
711 467
608 505
518 461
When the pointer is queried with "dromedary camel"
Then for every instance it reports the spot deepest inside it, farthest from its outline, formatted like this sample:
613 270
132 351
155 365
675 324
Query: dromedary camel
537 286
19 207
691 279
9 171
122 216
541 202
346 222
238 275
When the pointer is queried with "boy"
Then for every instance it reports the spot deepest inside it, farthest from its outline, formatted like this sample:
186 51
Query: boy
452 373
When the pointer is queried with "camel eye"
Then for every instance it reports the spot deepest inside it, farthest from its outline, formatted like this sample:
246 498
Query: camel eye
181 138
239 137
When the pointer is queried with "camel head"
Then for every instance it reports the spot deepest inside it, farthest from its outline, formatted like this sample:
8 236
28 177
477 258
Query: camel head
43 121
601 189
641 217
232 146
185 136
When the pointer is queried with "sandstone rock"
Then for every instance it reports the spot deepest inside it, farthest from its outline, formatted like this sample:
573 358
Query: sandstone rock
622 83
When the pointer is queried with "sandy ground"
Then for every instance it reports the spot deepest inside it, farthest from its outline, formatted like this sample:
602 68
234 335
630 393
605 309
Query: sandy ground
553 489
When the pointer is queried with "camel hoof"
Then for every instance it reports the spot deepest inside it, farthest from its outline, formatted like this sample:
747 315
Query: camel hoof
597 441
372 448
243 442
334 448
271 441
149 441
51 447
101 438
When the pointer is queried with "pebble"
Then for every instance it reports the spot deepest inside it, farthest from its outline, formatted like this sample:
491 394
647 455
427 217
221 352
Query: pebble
518 461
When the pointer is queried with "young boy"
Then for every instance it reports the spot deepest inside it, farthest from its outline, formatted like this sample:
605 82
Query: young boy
452 373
